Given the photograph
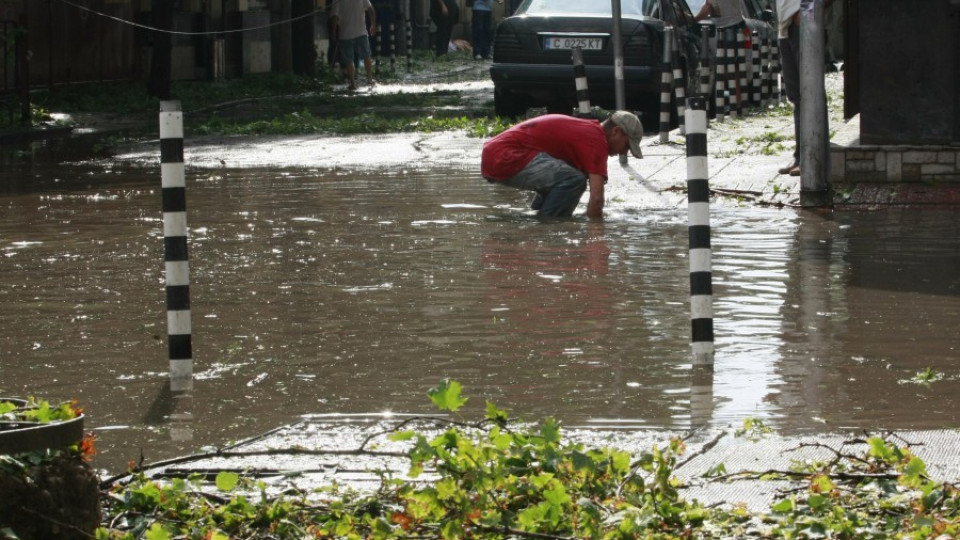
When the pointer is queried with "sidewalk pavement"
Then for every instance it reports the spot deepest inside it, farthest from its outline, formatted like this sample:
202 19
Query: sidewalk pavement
353 450
743 158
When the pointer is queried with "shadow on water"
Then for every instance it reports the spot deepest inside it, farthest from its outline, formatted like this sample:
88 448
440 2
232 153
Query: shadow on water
340 292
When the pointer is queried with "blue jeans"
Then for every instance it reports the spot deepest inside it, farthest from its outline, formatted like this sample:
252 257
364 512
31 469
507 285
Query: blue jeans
560 184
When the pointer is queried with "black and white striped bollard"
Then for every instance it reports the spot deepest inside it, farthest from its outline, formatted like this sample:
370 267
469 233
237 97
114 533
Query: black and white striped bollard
176 265
742 89
730 37
698 219
721 76
666 85
580 79
409 32
765 82
756 63
393 46
775 84
704 63
679 84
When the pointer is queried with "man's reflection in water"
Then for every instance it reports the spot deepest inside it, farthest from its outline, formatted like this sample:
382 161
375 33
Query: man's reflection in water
553 302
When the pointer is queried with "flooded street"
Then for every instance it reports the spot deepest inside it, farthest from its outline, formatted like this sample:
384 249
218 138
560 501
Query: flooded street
337 290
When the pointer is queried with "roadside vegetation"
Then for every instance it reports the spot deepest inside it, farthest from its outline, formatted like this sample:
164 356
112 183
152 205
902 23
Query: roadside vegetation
497 479
288 104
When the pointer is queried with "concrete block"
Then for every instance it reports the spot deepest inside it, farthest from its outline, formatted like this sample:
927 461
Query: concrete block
910 172
182 60
894 167
929 169
838 163
256 57
861 165
919 156
880 161
946 156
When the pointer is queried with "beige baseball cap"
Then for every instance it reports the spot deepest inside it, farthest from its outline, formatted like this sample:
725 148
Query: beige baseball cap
632 126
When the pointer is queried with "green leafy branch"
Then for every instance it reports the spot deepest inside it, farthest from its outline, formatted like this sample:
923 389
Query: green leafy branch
492 479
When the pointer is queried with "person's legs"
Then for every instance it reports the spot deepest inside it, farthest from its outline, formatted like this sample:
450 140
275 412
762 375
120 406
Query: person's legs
347 55
444 31
560 184
482 37
475 30
445 26
790 67
363 49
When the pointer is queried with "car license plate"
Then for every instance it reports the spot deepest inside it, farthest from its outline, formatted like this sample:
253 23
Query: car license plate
569 43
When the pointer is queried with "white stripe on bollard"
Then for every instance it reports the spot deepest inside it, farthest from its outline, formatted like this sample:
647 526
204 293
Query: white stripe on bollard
698 212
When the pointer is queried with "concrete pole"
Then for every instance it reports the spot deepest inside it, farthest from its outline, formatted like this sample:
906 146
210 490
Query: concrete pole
814 129
618 57
618 88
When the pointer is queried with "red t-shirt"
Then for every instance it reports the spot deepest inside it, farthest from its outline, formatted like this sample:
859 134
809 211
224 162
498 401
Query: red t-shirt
577 141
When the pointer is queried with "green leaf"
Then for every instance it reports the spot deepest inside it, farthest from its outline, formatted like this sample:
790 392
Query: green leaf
539 481
156 532
550 430
447 396
402 436
227 481
784 506
816 501
497 416
556 495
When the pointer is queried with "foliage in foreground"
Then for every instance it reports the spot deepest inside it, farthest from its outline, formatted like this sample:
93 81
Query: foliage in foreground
494 480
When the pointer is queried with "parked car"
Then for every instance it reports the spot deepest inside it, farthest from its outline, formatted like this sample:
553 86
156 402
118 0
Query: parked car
532 54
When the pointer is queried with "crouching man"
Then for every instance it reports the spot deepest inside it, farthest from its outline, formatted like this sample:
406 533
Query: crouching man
557 155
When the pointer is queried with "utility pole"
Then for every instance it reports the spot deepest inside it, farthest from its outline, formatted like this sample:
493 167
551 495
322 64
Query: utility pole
814 126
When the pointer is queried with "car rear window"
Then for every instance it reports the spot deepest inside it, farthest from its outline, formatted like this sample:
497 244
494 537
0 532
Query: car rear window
650 8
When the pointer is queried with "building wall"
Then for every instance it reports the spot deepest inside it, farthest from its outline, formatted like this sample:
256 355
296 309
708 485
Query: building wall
909 71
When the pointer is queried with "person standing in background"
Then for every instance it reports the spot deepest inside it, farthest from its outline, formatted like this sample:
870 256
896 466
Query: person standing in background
349 20
788 15
480 28
445 14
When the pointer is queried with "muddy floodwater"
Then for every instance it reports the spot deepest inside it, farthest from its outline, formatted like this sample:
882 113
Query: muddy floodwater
334 291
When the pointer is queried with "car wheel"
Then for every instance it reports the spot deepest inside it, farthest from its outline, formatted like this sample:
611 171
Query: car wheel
508 105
